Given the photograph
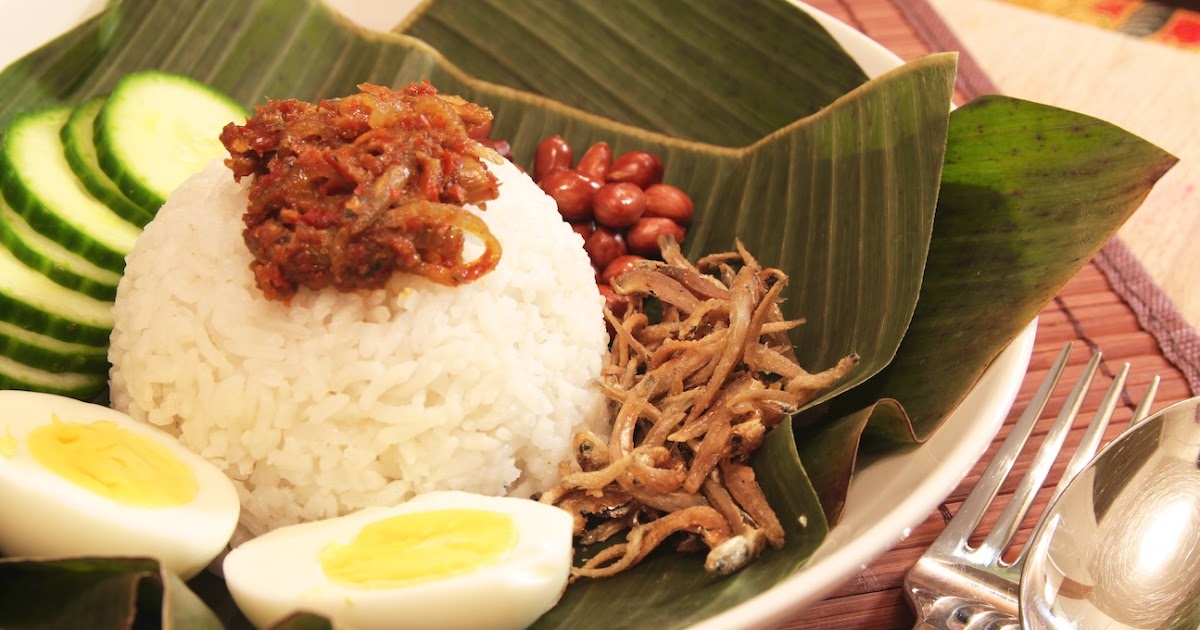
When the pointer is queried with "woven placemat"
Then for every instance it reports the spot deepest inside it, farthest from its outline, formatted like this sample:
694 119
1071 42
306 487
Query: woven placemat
1111 305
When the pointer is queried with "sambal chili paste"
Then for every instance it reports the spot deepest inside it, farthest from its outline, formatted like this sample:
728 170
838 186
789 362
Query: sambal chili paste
347 191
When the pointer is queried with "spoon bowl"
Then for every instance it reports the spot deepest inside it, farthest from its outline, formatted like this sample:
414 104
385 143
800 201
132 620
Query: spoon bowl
1120 548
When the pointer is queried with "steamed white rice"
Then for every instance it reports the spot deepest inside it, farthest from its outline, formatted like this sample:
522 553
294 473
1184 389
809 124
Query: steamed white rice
346 400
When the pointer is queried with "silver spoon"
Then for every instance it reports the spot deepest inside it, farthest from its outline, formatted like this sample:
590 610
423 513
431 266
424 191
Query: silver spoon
1120 547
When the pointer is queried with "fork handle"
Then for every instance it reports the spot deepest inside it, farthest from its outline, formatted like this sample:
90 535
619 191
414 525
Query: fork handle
954 613
999 621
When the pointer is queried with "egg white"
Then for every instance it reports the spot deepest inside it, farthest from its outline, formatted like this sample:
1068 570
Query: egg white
44 515
280 572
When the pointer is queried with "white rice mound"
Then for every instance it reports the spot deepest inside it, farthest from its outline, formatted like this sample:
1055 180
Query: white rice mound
344 400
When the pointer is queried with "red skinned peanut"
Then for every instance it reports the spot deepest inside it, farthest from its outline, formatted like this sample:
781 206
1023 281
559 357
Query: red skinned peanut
619 266
642 238
596 161
572 192
615 302
604 246
553 153
583 228
669 202
641 168
619 205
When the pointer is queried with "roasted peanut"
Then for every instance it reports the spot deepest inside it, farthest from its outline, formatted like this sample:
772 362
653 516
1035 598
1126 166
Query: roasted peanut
583 228
642 238
642 168
552 154
572 192
618 205
615 302
596 161
604 246
499 146
669 202
619 266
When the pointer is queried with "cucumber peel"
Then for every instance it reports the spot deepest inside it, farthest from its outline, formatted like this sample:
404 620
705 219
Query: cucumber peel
157 129
39 184
77 185
50 354
30 300
17 375
80 149
54 261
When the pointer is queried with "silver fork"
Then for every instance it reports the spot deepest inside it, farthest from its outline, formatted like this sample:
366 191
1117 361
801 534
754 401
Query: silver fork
956 586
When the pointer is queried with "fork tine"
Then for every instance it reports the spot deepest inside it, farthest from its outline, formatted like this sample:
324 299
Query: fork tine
953 585
967 517
1143 409
1001 533
1090 442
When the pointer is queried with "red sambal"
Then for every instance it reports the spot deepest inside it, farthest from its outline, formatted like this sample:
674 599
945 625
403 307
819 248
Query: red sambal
348 191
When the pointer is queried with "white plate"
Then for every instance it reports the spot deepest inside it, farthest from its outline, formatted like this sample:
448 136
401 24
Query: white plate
886 499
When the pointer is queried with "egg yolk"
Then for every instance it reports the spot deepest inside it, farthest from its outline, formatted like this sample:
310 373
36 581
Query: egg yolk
114 462
420 547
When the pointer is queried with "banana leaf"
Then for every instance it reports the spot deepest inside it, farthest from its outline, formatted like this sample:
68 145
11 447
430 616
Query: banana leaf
99 593
684 69
833 178
1003 239
1029 192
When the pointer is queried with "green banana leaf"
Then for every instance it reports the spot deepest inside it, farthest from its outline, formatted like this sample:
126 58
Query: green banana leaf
98 593
690 61
1028 195
1004 238
830 177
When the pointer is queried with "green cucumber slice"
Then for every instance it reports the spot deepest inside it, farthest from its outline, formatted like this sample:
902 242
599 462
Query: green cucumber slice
157 129
39 184
32 301
80 149
50 354
17 375
54 261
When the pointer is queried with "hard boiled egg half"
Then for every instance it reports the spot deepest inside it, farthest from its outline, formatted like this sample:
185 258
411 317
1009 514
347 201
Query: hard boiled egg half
78 479
440 560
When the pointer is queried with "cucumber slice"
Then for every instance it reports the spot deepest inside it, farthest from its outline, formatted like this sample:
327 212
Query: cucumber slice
157 129
53 260
32 301
80 148
39 184
50 354
17 375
